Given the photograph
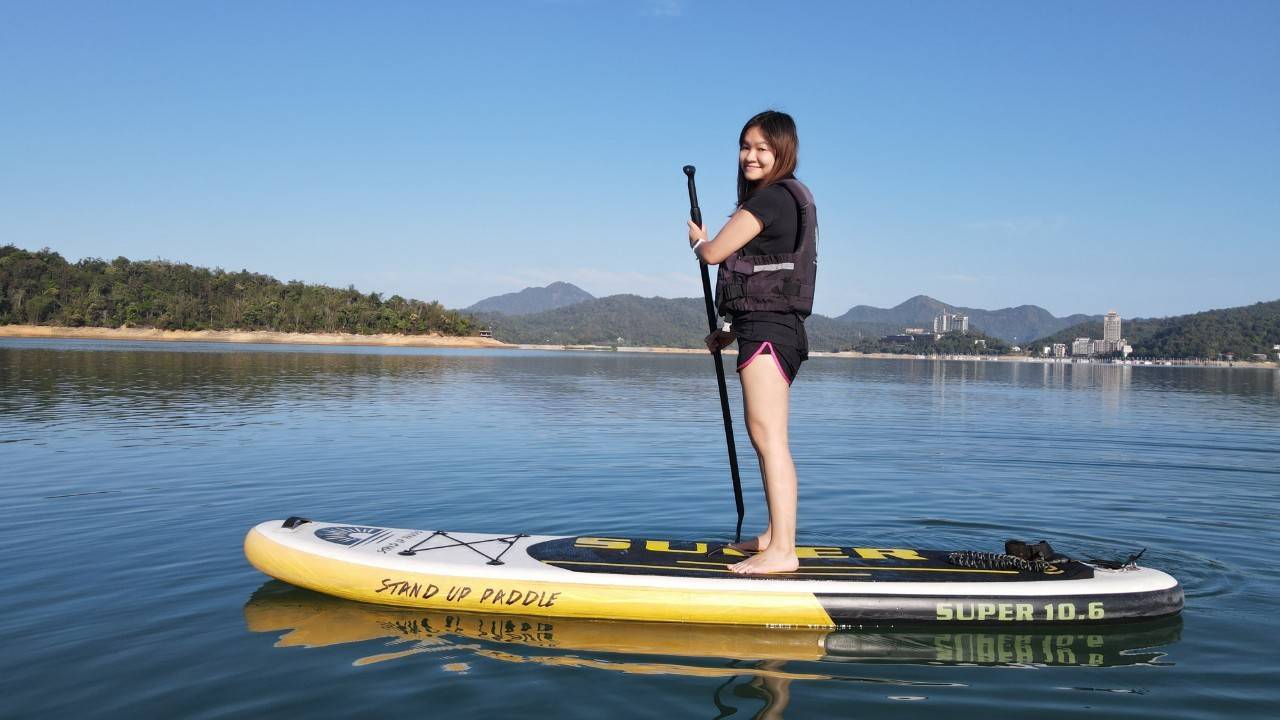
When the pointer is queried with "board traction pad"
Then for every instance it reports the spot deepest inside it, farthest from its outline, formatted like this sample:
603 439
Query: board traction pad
706 559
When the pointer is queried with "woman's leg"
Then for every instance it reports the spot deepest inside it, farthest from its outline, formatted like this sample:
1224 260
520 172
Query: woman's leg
765 394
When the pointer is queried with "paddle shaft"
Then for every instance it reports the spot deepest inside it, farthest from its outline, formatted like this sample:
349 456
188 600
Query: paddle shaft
695 214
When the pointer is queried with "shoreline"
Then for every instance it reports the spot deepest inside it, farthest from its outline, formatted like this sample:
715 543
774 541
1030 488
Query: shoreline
272 337
245 336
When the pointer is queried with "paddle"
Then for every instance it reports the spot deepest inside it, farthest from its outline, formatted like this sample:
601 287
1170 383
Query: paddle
695 214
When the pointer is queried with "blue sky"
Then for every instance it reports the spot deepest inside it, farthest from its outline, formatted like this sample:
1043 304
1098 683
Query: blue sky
1081 156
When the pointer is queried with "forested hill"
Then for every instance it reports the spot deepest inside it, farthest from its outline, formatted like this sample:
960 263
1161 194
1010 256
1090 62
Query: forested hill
1240 330
533 300
43 288
612 320
681 322
1011 324
655 322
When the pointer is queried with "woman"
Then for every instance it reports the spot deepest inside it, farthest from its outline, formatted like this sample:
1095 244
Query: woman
767 253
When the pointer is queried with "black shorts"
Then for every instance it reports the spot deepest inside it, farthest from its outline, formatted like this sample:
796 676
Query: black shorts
786 357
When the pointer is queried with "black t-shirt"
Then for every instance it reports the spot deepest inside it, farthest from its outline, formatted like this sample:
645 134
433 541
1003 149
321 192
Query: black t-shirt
776 209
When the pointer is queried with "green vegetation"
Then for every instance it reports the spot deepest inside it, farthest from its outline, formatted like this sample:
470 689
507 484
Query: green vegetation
1241 330
657 322
650 322
42 288
1013 324
953 343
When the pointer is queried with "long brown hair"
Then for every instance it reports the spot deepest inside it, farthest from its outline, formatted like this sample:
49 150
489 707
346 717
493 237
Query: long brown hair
779 131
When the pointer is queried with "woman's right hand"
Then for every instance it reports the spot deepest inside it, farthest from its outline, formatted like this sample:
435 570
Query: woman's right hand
718 340
697 235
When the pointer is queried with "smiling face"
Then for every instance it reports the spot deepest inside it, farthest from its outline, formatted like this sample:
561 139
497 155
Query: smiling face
767 150
755 155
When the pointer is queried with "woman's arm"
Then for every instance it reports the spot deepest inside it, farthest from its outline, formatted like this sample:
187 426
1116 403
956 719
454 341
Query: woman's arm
742 226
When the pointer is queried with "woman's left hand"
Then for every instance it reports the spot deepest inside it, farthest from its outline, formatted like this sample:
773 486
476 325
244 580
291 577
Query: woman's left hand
719 340
696 234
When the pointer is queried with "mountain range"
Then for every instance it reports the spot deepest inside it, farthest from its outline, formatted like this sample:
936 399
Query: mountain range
1021 323
562 313
42 288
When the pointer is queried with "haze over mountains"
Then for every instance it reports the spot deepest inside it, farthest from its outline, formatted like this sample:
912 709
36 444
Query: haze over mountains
564 313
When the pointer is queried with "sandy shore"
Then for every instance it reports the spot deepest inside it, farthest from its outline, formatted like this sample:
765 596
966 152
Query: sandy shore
246 336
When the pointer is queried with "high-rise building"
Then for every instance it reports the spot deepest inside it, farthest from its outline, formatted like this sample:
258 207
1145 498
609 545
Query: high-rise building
951 322
1111 328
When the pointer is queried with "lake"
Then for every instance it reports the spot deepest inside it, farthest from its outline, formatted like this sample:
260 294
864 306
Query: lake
131 472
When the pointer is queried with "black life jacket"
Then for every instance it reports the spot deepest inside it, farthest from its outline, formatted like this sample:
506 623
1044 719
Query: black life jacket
774 283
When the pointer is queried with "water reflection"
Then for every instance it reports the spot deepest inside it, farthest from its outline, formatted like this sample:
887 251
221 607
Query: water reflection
1256 383
755 664
160 461
43 381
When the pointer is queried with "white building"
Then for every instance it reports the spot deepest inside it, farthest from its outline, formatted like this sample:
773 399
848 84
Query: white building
1111 329
951 322
1111 342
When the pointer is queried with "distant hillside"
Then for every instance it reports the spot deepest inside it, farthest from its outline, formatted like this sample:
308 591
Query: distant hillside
533 300
662 322
1015 323
42 288
1241 330
601 321
828 334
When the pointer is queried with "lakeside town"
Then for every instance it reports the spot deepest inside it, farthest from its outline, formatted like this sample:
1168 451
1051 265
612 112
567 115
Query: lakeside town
1111 348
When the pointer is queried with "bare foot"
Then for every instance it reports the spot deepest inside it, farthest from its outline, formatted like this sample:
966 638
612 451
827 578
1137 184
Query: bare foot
755 544
770 561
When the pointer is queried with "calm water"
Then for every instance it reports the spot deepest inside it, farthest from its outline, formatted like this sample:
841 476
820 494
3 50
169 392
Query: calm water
130 473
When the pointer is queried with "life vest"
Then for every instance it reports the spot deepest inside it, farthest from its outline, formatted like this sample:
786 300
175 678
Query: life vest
774 283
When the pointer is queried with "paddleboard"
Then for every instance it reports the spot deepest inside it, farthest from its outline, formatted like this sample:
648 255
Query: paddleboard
301 618
664 580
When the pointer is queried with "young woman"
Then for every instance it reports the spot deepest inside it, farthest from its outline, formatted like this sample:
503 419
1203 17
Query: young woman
765 286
